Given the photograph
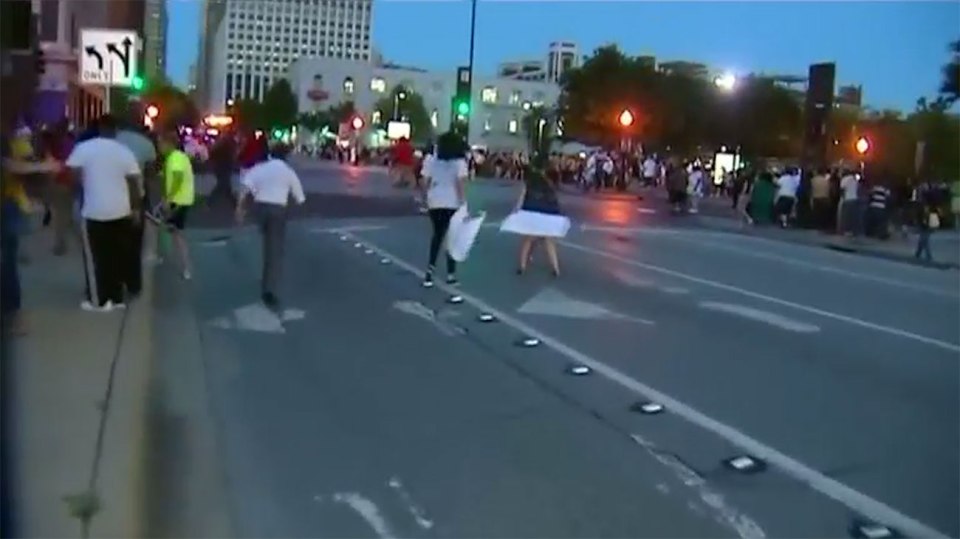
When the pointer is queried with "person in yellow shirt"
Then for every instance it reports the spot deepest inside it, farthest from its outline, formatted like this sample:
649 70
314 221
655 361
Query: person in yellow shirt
179 194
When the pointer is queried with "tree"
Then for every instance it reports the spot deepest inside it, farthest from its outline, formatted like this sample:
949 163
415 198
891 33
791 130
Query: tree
409 108
176 106
316 121
342 112
950 85
279 109
536 128
249 113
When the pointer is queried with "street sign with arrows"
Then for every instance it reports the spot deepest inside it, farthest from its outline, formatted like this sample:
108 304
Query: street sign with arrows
108 57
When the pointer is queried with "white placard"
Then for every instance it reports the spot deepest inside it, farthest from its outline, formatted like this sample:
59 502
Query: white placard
398 130
108 57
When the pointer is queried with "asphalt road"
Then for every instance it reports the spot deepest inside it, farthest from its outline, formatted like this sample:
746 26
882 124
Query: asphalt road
379 409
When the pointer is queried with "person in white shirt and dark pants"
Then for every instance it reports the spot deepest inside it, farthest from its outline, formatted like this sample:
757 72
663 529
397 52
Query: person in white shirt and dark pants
271 184
111 180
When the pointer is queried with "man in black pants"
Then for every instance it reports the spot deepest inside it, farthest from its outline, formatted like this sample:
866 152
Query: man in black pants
111 180
445 175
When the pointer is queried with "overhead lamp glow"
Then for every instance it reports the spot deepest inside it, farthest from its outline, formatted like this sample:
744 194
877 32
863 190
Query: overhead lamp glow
726 82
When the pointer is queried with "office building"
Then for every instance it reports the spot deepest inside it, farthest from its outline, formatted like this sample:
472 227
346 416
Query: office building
251 43
155 39
561 57
499 104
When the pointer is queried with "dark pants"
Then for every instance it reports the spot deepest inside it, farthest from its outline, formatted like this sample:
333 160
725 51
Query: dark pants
9 255
440 218
107 247
821 213
875 223
273 225
223 189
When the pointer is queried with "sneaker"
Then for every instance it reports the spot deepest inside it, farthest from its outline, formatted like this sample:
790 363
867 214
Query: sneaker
187 276
452 280
119 306
428 280
88 306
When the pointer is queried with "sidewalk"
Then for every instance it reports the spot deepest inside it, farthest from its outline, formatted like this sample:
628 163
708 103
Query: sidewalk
77 394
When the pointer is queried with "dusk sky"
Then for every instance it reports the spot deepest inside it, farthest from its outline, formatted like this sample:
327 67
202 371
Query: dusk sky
895 49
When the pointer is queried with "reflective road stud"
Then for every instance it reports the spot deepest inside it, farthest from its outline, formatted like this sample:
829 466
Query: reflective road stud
745 464
368 251
455 299
871 530
647 408
529 342
358 245
578 370
384 261
486 317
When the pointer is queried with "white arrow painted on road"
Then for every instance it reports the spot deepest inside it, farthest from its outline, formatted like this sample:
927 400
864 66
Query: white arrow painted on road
256 317
415 308
646 210
367 510
759 315
552 302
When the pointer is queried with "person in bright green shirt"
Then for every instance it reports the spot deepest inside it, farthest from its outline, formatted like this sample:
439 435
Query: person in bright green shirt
178 193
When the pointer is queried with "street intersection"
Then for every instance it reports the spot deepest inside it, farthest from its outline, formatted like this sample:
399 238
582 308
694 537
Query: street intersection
675 381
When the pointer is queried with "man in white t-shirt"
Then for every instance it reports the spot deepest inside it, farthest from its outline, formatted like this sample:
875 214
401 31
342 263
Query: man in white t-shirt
271 184
111 180
849 210
787 185
649 171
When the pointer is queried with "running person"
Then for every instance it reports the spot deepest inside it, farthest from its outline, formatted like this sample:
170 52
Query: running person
445 175
178 194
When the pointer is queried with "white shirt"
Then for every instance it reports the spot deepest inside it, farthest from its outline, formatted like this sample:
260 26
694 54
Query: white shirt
273 182
444 176
788 185
695 182
104 166
649 168
849 186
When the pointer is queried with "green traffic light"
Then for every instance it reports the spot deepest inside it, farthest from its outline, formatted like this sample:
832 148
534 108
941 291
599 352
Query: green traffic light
463 108
277 133
137 83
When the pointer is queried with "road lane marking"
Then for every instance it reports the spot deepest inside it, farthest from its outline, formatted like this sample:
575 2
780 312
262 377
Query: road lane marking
417 512
347 228
849 497
759 315
552 302
725 514
952 347
419 310
817 267
634 281
646 210
368 511
256 317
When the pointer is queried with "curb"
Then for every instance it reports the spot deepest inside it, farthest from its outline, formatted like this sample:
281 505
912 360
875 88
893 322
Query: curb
119 480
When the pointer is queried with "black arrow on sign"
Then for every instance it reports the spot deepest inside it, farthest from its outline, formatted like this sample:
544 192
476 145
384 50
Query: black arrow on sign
123 56
92 51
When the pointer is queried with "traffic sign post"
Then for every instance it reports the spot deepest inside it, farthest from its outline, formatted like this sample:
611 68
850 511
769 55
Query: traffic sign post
108 58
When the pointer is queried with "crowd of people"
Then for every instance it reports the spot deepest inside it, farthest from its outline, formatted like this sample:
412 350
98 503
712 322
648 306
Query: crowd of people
103 187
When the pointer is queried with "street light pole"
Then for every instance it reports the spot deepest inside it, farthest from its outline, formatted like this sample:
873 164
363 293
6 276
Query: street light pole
473 34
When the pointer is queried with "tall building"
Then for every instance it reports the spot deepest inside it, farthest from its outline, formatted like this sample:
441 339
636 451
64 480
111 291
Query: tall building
251 43
155 39
562 56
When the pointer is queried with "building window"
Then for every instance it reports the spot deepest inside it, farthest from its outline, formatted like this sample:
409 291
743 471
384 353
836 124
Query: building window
512 126
348 85
488 95
376 117
434 118
377 84
515 97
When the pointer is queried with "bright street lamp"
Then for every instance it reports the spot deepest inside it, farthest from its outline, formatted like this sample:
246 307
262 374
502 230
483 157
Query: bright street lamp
726 82
862 145
626 118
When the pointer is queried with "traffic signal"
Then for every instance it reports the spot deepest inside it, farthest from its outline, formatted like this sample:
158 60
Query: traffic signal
137 83
278 133
357 123
40 61
626 118
153 111
461 101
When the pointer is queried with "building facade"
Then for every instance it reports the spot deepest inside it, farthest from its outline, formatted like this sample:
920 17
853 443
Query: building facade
155 39
498 104
561 57
249 44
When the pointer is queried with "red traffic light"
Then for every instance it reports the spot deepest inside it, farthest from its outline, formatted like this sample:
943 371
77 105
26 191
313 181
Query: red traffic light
357 123
626 118
862 145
